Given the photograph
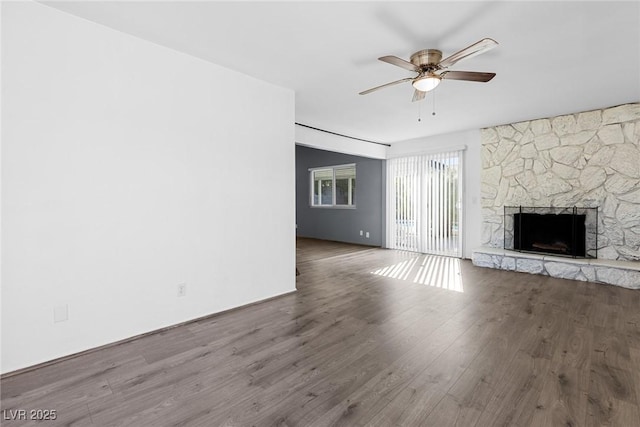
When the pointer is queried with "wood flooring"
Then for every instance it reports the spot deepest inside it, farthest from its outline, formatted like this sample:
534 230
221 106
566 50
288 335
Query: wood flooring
372 337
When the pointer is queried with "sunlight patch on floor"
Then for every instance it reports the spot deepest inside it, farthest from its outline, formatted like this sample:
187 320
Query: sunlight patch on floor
430 270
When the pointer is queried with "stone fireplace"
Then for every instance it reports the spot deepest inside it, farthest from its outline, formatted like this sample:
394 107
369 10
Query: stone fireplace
587 160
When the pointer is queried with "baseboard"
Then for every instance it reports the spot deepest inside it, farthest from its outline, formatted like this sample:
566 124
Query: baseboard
341 241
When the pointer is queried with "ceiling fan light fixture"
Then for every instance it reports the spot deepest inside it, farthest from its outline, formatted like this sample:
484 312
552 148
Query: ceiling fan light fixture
426 83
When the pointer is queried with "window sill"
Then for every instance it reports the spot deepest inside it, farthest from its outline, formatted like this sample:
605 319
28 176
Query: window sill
332 207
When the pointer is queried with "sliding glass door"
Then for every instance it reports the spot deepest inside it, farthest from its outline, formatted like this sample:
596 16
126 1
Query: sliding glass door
424 203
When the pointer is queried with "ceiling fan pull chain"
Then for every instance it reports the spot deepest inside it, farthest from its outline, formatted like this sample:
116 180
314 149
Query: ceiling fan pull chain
419 112
433 113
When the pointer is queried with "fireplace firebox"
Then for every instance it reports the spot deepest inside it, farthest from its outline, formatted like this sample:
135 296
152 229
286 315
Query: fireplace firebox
570 232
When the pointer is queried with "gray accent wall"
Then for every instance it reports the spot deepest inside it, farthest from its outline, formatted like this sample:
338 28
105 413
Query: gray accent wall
342 225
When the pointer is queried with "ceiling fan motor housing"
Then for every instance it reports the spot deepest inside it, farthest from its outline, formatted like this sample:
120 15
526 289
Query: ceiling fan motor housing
426 57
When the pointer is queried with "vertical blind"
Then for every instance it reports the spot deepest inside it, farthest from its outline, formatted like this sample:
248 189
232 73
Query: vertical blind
424 203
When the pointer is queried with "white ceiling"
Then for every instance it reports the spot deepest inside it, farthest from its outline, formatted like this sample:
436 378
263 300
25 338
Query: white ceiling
553 58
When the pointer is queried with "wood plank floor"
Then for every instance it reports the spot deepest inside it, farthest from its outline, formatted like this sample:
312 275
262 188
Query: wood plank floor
372 337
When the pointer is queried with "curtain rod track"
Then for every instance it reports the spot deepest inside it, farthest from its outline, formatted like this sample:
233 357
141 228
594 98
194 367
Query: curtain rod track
345 136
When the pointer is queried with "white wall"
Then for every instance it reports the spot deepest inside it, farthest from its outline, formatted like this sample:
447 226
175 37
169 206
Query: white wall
472 163
128 168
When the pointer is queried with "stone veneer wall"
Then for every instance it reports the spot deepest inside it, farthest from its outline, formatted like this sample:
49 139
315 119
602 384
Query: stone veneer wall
589 159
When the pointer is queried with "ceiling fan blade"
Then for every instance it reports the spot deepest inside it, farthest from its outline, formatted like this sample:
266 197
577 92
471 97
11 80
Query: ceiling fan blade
394 60
472 76
408 79
475 49
418 95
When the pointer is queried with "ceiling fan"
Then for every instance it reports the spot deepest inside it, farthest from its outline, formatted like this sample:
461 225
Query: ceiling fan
431 68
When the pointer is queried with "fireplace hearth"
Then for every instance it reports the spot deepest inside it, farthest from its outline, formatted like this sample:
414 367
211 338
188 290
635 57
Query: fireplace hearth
570 232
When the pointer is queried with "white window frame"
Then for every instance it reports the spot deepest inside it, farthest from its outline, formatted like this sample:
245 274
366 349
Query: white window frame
333 204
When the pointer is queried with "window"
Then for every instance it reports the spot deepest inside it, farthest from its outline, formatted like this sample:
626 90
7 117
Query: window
333 186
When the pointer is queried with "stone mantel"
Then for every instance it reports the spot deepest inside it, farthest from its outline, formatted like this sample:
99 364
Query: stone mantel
611 272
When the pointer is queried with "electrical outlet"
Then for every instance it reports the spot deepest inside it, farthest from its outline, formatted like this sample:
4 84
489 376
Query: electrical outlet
367 235
361 232
182 289
60 313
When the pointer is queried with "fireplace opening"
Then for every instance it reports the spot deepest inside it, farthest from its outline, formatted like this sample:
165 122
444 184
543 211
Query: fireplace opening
556 231
561 234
